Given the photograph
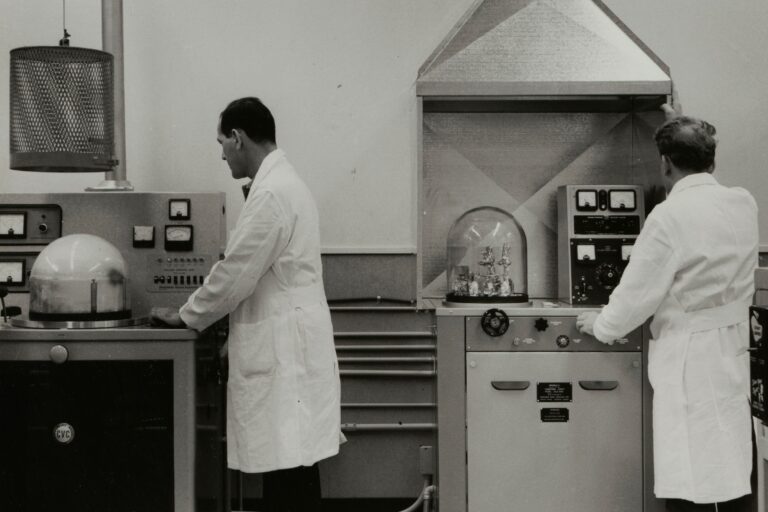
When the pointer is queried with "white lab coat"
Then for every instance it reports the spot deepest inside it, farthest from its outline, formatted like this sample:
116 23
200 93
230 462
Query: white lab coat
692 268
283 392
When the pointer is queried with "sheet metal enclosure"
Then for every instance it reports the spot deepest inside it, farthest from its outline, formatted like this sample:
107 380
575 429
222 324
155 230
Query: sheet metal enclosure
513 154
113 216
501 445
761 426
104 351
160 274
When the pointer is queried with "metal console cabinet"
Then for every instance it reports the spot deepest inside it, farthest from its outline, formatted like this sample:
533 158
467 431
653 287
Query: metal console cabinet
538 418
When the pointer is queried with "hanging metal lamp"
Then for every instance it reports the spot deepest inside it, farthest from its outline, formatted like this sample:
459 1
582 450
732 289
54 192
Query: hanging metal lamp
62 109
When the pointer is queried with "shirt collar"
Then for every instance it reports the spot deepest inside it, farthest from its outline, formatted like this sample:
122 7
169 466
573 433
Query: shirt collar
269 163
693 180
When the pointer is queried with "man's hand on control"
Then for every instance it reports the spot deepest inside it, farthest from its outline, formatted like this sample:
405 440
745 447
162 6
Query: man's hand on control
167 316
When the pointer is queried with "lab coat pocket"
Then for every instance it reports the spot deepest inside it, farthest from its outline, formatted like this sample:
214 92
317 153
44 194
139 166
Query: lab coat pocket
316 342
666 361
253 348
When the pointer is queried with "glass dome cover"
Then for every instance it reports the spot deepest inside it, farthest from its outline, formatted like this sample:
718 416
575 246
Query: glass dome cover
79 277
487 258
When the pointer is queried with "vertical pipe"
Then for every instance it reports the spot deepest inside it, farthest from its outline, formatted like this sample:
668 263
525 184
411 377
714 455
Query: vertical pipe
112 42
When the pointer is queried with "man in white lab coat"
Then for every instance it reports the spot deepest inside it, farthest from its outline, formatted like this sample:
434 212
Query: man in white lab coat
692 269
283 412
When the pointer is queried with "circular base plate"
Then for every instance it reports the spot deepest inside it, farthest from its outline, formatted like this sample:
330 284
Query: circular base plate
515 298
85 324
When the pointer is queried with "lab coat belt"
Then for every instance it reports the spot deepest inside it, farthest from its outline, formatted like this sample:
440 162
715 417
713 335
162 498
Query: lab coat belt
306 295
717 317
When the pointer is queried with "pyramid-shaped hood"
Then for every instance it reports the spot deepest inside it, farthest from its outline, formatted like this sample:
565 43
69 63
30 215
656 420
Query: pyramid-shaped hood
542 47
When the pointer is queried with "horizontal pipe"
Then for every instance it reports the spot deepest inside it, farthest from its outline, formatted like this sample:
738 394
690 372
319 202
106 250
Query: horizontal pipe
389 405
367 309
384 347
379 334
371 360
358 427
387 373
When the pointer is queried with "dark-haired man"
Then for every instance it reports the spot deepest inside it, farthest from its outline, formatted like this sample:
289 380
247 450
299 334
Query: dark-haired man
283 412
692 269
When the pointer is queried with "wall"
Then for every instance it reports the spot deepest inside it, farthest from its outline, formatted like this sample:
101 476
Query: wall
715 52
339 77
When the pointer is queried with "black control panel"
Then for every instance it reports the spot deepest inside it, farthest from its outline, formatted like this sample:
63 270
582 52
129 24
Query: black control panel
597 228
23 224
596 268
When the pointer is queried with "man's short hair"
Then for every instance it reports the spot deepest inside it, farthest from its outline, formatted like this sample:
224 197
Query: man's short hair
688 142
250 115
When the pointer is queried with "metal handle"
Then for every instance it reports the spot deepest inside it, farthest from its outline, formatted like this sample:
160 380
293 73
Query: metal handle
510 385
598 385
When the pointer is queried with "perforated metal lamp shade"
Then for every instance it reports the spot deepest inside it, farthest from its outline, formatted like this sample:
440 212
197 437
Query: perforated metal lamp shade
62 109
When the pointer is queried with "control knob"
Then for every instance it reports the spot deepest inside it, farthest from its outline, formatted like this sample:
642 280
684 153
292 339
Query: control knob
608 275
494 322
541 324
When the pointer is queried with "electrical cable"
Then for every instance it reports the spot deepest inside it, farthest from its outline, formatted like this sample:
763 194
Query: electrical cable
425 497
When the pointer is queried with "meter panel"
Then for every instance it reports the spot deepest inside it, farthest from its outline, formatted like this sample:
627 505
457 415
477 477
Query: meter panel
595 245
29 224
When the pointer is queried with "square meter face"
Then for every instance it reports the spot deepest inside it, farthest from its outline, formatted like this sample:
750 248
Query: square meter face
621 200
178 238
12 273
586 200
12 225
179 209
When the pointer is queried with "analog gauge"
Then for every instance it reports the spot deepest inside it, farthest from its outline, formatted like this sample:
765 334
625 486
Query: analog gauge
143 236
11 272
143 233
621 199
178 233
178 209
586 200
12 225
585 252
178 238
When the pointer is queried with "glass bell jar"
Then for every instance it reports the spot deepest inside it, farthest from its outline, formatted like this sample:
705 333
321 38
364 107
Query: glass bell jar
487 258
79 277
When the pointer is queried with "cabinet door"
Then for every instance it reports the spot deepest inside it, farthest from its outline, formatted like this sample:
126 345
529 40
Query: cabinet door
554 445
118 420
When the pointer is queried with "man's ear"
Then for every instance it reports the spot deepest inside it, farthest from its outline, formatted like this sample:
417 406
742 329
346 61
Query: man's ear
238 136
666 164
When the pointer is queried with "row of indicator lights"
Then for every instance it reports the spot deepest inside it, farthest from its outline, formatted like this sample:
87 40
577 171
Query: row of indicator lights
182 260
190 280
